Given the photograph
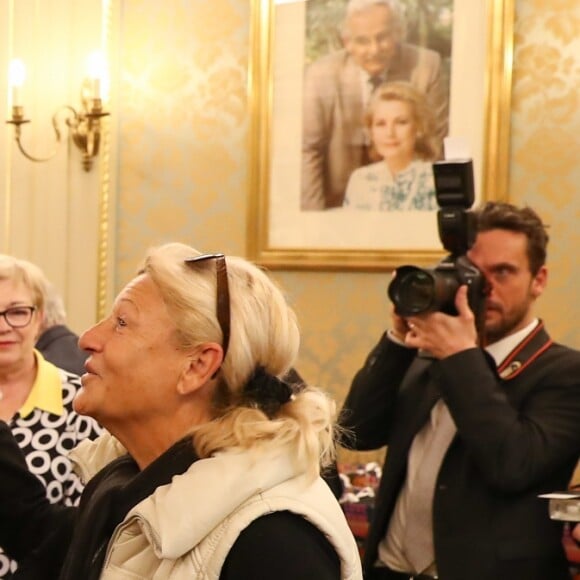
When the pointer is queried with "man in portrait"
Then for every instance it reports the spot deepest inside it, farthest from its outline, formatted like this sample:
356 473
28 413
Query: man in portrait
338 86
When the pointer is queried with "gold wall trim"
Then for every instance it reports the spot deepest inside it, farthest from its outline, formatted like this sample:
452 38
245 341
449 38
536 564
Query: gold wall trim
260 107
104 234
500 52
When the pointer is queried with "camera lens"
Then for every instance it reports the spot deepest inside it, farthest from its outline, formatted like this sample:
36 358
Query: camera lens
412 291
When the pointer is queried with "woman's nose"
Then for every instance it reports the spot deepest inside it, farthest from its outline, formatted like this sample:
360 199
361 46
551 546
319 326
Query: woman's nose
89 339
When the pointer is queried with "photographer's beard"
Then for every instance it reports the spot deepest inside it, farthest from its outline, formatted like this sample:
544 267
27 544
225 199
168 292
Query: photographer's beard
501 321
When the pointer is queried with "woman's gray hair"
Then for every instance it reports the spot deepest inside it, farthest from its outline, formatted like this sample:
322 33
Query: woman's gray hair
264 334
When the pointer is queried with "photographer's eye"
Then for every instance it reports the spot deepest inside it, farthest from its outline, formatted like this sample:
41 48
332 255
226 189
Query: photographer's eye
503 271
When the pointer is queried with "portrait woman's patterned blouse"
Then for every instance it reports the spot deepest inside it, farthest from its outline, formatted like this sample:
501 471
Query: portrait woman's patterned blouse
373 187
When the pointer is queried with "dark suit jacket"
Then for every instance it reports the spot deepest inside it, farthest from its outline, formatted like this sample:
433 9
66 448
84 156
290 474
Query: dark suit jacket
518 436
59 345
333 135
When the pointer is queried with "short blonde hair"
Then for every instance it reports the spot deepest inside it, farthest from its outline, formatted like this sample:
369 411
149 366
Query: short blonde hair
27 274
264 334
427 145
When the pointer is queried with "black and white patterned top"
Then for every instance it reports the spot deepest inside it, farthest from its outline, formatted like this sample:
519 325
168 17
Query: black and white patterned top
46 439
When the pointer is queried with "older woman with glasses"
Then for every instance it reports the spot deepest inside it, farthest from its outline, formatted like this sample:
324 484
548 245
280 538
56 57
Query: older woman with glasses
211 465
36 398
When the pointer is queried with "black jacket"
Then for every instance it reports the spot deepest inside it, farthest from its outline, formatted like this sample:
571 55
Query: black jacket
59 345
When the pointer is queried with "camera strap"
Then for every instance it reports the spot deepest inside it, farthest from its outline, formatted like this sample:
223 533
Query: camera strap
525 353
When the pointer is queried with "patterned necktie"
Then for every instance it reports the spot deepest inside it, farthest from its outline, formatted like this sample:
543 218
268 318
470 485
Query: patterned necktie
418 537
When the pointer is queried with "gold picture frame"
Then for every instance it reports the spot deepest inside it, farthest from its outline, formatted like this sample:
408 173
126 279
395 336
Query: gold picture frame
494 68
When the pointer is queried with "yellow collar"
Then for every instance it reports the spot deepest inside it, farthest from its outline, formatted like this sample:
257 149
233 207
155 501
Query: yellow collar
46 392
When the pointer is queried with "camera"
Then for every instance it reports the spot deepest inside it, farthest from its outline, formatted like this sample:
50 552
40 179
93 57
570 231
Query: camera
415 290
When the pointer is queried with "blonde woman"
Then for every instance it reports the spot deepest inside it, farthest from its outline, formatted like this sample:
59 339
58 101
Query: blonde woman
401 128
211 468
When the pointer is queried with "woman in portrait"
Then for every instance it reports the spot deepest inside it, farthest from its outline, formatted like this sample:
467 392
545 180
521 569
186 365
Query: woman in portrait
210 466
401 130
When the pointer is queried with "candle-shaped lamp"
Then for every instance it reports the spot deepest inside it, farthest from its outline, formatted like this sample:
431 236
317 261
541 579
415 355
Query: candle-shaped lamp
96 67
16 77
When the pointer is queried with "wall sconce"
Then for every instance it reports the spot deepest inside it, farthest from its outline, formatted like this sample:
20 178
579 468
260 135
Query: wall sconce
84 124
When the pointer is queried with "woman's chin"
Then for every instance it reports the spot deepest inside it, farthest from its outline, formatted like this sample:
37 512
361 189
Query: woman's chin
81 403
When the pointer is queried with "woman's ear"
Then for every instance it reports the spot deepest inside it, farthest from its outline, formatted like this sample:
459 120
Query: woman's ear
200 367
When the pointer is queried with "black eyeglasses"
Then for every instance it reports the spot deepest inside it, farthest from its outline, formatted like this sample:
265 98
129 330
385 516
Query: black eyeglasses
223 293
18 316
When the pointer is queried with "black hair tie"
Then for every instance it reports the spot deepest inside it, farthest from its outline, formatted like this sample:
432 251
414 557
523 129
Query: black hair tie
267 392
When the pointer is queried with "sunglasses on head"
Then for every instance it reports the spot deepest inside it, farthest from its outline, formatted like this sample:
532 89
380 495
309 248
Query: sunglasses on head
223 293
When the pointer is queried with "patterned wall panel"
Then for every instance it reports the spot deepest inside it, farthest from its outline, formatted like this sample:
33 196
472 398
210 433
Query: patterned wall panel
183 126
545 160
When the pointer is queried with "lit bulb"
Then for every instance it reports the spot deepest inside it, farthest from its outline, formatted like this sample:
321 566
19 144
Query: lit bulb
16 77
96 71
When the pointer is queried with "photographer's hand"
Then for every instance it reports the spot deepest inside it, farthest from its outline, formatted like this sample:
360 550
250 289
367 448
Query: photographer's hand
399 326
442 335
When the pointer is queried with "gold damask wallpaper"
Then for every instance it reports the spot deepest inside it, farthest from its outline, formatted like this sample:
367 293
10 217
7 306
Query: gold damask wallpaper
183 127
183 162
545 159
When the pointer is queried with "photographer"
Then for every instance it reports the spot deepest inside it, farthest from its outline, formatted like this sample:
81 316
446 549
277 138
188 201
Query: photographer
478 422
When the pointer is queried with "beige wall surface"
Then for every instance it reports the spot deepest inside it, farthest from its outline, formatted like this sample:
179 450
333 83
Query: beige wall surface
183 162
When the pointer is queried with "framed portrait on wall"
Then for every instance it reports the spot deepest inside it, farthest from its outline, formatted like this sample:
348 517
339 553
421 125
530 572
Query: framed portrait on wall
350 105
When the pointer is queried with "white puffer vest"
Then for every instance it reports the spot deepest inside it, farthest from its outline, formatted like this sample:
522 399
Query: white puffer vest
186 529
